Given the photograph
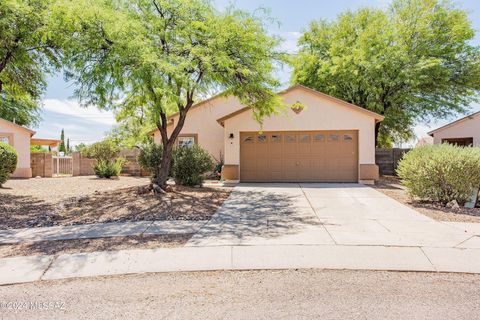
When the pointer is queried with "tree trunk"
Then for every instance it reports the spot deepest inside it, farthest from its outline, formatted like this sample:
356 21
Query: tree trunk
165 164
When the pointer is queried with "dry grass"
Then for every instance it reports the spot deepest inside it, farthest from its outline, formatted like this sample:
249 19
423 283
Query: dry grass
81 200
91 245
391 187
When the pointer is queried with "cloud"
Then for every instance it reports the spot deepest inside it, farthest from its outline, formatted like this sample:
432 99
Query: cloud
68 109
85 125
290 40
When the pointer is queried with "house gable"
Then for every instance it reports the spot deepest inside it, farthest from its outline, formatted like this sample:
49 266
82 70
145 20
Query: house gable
475 116
299 88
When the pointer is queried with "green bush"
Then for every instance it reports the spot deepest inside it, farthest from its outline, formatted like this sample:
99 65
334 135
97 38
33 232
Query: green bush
190 164
107 168
105 150
441 172
8 161
150 157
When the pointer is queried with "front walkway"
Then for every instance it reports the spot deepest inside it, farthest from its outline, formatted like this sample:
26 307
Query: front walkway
277 226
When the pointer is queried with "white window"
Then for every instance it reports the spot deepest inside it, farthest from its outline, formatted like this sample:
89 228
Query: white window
4 139
186 141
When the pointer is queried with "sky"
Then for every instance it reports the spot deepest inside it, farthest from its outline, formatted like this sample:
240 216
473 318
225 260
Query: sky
291 18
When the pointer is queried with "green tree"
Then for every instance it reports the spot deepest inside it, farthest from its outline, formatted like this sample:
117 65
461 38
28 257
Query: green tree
133 127
165 55
62 148
27 53
411 63
68 146
79 147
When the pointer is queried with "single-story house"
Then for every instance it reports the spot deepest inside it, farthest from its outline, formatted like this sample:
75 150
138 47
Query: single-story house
319 138
20 138
462 132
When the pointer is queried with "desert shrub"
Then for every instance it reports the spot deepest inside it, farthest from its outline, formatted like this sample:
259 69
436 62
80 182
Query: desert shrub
108 168
441 172
105 153
8 161
190 164
105 150
150 157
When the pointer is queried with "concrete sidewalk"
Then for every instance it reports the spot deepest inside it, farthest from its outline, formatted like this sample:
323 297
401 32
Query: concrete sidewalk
26 269
99 230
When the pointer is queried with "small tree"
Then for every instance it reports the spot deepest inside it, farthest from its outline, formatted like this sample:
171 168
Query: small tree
62 148
190 164
150 157
107 163
105 150
165 55
68 146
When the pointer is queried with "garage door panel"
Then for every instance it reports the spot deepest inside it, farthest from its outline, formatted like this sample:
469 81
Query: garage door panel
315 156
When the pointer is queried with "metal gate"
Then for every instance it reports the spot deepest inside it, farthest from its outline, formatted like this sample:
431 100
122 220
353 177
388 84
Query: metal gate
62 166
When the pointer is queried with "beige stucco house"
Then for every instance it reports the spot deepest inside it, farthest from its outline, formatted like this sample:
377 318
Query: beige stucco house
324 140
463 132
19 138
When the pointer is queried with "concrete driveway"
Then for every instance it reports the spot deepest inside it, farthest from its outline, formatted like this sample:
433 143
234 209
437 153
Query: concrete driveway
323 214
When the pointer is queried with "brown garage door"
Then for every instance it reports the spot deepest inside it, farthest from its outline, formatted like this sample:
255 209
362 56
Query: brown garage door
309 156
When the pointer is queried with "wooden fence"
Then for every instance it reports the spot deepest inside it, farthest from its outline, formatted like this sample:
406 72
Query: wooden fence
387 160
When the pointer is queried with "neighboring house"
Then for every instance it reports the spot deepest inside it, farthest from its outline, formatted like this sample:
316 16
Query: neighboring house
462 132
20 138
319 138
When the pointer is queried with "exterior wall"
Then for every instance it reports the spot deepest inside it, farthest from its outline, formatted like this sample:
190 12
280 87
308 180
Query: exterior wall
19 138
41 164
230 172
83 166
319 114
202 120
463 129
132 167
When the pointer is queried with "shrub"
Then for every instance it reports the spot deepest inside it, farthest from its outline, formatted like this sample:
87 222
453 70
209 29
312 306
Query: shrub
190 164
441 172
8 161
150 157
105 150
107 168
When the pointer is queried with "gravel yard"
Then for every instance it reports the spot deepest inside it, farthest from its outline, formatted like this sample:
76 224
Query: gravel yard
80 200
54 190
391 187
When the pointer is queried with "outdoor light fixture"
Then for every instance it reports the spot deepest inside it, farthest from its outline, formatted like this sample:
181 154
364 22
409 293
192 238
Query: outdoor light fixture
230 136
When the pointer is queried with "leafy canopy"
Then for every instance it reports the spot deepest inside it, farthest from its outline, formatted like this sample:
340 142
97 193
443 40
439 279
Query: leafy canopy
410 63
27 52
165 54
